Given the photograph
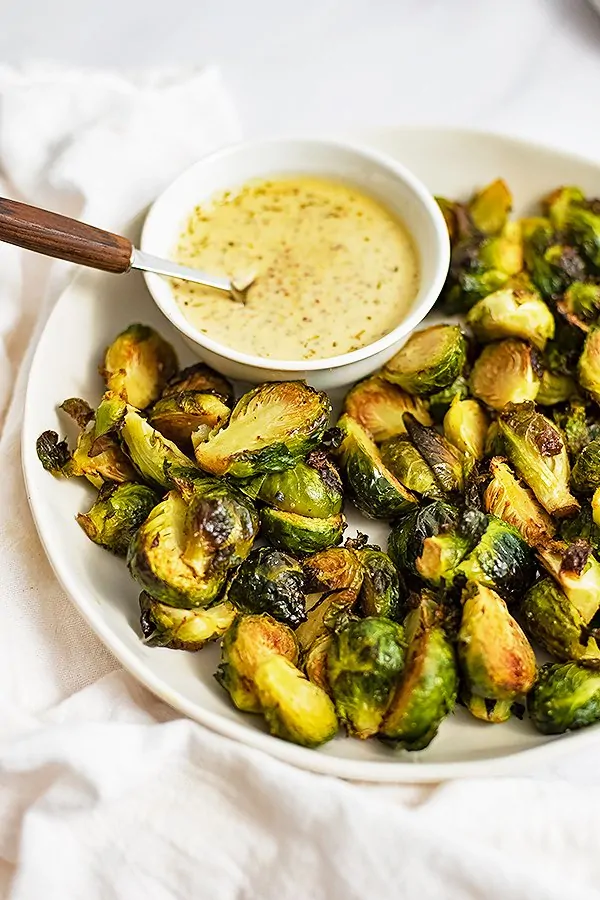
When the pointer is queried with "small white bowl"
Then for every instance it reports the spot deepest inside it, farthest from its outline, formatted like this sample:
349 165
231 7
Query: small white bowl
373 172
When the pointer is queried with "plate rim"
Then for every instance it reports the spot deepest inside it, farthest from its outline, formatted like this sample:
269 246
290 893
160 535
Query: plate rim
407 770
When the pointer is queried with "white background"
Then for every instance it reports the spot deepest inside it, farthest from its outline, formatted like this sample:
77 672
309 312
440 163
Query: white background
530 67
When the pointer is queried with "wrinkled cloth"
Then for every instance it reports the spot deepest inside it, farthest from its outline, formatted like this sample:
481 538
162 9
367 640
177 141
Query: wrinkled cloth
105 792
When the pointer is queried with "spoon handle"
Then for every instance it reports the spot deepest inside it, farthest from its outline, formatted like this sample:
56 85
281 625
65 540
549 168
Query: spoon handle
53 235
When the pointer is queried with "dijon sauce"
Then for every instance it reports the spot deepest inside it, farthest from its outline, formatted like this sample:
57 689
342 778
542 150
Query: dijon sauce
334 269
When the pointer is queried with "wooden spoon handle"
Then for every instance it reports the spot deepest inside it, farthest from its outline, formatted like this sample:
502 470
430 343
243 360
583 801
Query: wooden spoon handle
54 235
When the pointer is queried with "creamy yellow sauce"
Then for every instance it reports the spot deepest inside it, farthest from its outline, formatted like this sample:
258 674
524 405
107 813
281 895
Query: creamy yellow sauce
334 269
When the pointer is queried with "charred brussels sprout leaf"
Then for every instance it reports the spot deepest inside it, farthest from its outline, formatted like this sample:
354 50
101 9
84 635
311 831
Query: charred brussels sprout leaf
501 560
505 372
439 404
495 657
296 710
466 426
537 450
445 461
427 690
301 534
55 455
432 540
379 406
405 462
312 488
512 313
552 265
429 361
151 453
585 476
116 515
588 369
202 378
183 552
371 486
565 697
584 526
138 364
364 662
576 571
248 643
380 591
183 629
79 410
188 416
271 428
507 499
109 415
270 581
557 625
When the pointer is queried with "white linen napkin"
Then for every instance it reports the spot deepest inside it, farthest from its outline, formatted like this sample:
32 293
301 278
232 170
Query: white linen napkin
104 791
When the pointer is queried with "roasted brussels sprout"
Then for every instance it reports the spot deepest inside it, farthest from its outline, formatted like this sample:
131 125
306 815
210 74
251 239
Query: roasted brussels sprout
99 460
378 405
315 662
301 534
565 697
552 265
364 661
248 643
271 428
581 221
555 388
183 629
578 428
577 572
188 417
489 209
588 369
432 540
138 364
380 590
505 372
481 265
270 581
427 690
445 461
583 525
151 453
438 404
429 361
199 377
512 313
556 204
556 624
312 488
371 486
334 578
581 304
507 499
537 450
296 710
183 552
466 426
116 515
585 477
495 657
405 462
501 560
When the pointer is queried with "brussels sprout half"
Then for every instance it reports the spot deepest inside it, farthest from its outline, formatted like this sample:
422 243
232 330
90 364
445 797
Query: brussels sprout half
505 372
429 361
405 462
335 577
271 428
495 657
380 593
445 461
301 534
576 571
489 209
439 404
295 709
270 581
312 488
151 453
116 515
557 625
565 697
183 629
248 643
138 364
202 378
588 369
364 661
188 417
183 552
501 560
371 486
426 692
466 426
536 448
512 313
379 406
507 499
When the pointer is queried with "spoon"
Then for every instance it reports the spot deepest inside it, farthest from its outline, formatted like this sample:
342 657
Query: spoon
63 238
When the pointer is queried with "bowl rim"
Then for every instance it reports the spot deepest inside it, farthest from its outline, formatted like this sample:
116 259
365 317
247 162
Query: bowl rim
168 306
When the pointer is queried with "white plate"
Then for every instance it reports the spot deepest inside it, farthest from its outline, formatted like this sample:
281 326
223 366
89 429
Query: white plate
88 315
